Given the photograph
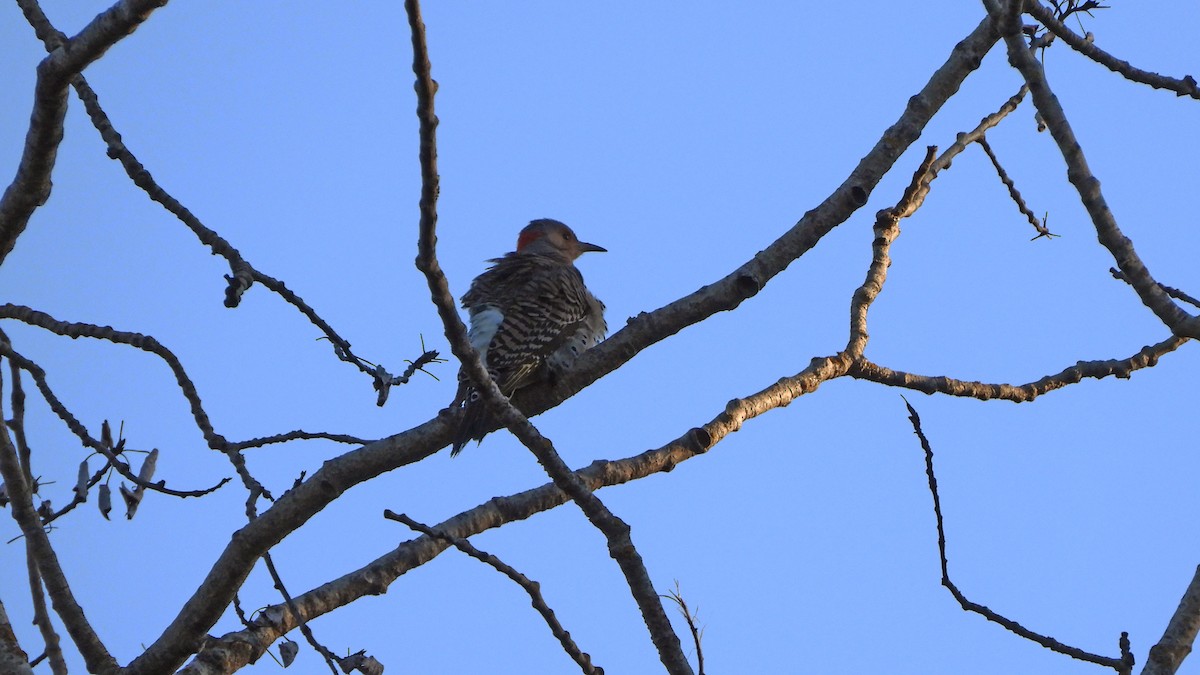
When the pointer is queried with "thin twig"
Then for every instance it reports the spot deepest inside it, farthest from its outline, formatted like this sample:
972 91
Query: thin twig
1014 627
298 435
531 587
1173 292
329 656
1013 193
676 596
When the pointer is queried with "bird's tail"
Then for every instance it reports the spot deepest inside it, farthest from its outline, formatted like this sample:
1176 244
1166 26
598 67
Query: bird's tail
474 422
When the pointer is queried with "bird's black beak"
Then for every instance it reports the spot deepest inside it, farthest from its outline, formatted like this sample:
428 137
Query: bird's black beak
584 247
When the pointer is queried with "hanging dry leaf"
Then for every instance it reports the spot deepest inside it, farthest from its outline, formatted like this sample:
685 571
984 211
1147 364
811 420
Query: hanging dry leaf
132 499
287 652
147 471
105 500
81 483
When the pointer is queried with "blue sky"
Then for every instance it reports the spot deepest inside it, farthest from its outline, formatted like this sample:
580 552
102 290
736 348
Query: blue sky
684 140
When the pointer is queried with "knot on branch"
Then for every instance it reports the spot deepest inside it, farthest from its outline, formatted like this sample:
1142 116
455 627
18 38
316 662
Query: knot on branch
241 280
748 285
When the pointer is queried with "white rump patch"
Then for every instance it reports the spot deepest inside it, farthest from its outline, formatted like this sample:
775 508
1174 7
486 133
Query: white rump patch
484 324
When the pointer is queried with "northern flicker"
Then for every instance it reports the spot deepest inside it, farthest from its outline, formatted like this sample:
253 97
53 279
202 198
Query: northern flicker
530 315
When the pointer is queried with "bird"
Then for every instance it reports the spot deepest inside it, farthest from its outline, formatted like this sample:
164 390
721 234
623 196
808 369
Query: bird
530 316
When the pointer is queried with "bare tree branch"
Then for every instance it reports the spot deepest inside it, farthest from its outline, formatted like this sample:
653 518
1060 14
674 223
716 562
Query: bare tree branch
31 187
13 658
41 616
298 435
1015 194
1147 357
1176 643
1185 86
887 228
329 656
1044 640
531 587
1085 182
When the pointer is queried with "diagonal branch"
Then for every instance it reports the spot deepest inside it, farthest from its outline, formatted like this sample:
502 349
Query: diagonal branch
31 187
1015 194
531 587
615 530
1176 643
13 658
1085 182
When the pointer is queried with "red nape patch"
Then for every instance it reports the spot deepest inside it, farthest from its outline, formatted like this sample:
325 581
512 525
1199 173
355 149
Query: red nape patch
528 236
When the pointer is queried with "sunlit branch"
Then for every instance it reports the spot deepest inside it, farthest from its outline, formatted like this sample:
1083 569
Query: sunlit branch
887 228
1080 175
1185 86
1147 357
1176 643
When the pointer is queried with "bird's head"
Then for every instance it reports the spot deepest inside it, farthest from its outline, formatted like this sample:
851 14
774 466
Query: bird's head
550 237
